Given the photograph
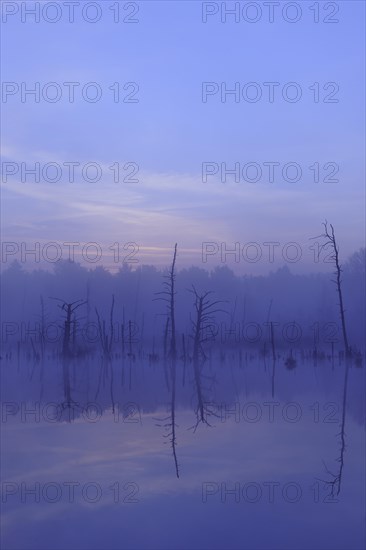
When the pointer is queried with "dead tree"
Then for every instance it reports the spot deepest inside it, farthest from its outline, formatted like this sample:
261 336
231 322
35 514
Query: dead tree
272 342
68 309
38 356
335 481
42 328
168 295
131 355
165 349
106 341
204 329
330 240
184 358
42 340
123 347
273 359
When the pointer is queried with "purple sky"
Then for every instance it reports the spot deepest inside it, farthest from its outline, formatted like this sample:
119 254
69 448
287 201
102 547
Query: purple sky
170 132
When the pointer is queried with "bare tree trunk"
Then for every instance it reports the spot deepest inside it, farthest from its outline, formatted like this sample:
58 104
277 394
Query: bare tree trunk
202 325
169 296
330 239
273 360
173 344
184 359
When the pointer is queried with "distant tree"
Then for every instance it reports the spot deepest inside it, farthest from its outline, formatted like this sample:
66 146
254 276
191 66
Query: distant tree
356 263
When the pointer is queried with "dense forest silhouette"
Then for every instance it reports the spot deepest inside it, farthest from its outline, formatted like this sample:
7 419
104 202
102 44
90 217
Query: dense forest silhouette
309 302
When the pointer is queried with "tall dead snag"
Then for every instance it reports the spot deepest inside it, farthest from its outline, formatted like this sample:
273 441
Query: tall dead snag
168 295
334 484
273 359
171 286
165 349
123 347
330 240
69 310
272 342
131 355
203 329
39 356
42 335
106 342
173 354
184 357
42 328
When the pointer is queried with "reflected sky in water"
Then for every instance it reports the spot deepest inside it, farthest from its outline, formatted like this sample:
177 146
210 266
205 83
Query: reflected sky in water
254 477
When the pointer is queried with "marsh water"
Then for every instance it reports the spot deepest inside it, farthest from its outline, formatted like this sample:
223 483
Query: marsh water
264 454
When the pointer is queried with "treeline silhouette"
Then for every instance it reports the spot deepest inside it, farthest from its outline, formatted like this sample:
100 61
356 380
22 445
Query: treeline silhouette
302 308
